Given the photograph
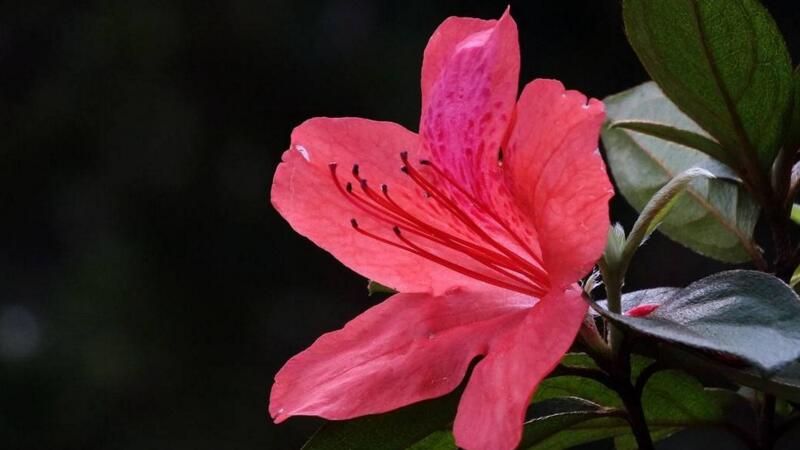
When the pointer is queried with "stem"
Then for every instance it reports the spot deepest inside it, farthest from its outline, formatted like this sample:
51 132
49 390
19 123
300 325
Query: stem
644 377
613 267
778 216
633 404
615 338
766 421
631 399
594 374
784 253
613 284
613 291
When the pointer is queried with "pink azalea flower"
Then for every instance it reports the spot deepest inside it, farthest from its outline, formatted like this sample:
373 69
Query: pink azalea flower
483 222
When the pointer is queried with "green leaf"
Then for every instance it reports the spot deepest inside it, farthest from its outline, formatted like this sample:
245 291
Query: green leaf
579 360
796 213
615 245
671 399
795 280
724 63
793 133
576 386
656 210
583 405
686 138
672 396
714 218
785 383
373 287
440 440
571 410
564 422
583 433
711 315
397 429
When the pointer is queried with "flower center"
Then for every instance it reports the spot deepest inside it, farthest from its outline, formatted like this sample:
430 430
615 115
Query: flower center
497 263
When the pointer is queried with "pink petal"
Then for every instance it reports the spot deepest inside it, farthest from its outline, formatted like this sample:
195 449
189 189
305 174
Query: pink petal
304 192
492 409
470 77
444 39
558 176
409 348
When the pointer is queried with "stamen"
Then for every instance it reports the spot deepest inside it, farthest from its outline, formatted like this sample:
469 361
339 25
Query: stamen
476 252
356 201
378 238
419 179
511 271
486 210
464 270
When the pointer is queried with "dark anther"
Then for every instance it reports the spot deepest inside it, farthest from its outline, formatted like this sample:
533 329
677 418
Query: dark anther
349 187
404 169
424 162
354 223
332 166
355 170
363 182
404 156
384 188
396 230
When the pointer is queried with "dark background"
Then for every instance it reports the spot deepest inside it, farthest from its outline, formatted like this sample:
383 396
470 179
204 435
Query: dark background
148 291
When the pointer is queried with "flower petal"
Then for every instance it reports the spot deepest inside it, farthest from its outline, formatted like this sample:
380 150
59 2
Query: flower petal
558 176
492 409
409 348
470 78
305 194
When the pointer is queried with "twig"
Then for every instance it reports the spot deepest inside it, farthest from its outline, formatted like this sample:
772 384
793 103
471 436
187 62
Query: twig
766 421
